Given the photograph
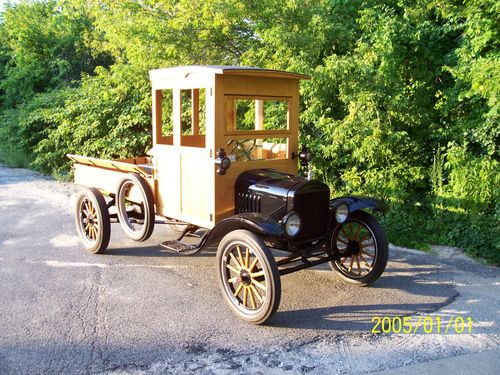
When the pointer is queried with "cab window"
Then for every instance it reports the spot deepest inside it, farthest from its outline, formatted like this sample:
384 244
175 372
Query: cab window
257 128
192 116
256 113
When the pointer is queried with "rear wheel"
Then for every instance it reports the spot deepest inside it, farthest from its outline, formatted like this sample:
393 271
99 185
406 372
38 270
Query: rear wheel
92 220
249 277
135 210
363 249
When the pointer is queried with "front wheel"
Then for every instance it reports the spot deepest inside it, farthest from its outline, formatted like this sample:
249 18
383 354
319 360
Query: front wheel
363 249
249 277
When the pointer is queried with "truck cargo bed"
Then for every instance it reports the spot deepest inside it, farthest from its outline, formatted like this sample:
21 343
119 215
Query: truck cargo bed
141 165
107 174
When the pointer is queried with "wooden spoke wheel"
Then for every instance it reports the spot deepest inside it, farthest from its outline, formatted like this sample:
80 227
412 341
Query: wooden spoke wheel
135 209
92 220
249 276
363 249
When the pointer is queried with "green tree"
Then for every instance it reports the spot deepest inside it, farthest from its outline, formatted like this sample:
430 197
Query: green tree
156 33
403 101
107 116
470 108
46 46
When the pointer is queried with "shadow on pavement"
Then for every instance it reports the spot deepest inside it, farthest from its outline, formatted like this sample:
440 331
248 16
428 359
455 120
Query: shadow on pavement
404 289
155 251
348 317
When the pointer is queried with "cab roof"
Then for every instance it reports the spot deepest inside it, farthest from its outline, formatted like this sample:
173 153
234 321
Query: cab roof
181 72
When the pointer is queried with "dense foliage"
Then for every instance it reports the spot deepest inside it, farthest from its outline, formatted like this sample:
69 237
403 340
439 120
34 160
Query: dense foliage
403 103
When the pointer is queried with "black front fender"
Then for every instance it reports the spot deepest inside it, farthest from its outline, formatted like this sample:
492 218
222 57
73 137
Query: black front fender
254 222
358 203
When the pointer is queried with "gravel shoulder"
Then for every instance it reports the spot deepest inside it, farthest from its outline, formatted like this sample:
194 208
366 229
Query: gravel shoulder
139 310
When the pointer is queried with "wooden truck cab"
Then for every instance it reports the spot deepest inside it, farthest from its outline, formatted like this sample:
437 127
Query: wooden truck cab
251 114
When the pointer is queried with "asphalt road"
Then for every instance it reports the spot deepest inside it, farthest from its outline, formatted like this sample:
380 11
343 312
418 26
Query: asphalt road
138 309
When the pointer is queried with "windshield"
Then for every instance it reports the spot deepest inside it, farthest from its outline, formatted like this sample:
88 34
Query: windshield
256 113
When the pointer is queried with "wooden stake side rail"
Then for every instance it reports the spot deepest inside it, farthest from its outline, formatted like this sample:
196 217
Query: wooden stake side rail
139 165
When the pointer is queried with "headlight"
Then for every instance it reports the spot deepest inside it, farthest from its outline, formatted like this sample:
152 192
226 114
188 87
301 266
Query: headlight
341 213
292 224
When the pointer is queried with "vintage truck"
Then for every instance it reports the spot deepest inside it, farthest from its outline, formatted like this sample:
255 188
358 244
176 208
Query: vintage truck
223 167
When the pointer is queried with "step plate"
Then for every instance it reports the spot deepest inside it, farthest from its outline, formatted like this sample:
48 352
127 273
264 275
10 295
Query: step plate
177 246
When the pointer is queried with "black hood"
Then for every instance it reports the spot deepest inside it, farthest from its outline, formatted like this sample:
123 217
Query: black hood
267 181
275 193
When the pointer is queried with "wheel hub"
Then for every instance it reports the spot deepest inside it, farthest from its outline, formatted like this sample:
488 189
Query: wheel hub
245 277
353 248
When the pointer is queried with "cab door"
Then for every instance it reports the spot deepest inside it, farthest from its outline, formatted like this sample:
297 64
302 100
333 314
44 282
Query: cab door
184 167
195 182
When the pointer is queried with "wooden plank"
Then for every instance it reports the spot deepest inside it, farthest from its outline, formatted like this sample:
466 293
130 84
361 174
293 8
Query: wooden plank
184 83
212 116
196 72
258 87
258 97
267 74
230 115
242 134
195 170
293 125
137 160
195 111
259 114
259 125
122 166
177 111
107 180
168 174
157 117
193 141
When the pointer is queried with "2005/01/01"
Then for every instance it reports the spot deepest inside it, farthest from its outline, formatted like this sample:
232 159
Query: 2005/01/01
428 324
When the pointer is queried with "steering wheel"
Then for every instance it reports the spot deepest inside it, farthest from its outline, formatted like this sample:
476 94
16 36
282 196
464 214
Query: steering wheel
242 146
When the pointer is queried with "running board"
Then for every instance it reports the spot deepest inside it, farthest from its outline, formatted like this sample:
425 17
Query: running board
182 248
178 247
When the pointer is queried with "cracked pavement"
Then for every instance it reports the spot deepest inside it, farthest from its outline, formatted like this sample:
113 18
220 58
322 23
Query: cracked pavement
139 310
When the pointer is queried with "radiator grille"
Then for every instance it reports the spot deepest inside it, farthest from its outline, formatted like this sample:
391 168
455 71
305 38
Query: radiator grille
313 207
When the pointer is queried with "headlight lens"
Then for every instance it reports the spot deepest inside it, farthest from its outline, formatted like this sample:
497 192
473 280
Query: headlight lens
292 224
341 213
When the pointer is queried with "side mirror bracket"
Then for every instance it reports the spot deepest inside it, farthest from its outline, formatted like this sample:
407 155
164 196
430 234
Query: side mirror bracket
304 157
222 161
